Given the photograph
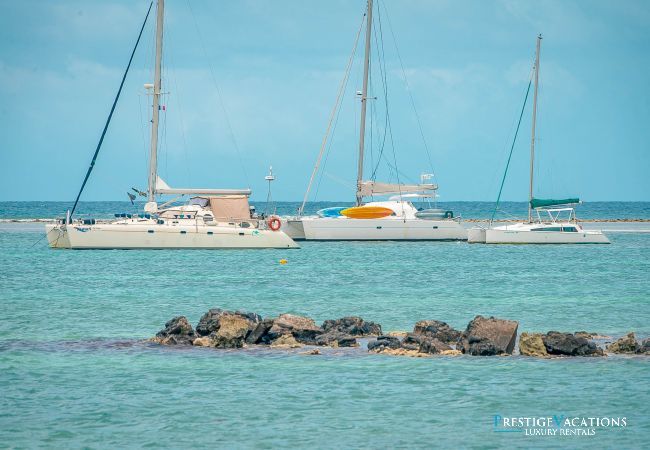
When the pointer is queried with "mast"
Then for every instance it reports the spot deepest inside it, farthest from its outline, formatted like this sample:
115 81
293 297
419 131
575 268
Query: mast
364 98
532 139
153 158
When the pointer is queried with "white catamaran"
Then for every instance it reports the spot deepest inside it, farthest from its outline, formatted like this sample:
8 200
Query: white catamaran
556 221
394 219
213 218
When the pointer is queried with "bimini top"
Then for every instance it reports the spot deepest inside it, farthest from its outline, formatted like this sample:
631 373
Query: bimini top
546 202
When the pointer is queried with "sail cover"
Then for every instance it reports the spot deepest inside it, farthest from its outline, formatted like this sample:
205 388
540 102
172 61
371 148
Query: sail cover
230 207
547 202
370 188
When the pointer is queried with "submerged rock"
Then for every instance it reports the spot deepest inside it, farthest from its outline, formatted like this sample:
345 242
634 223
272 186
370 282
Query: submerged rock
384 342
531 344
404 352
304 329
489 336
438 330
353 326
568 344
177 331
203 341
626 344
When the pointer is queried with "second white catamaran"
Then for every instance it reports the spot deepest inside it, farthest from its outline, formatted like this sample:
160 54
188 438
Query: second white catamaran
556 220
213 218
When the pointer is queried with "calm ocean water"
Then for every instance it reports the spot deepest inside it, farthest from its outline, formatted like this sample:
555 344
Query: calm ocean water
73 374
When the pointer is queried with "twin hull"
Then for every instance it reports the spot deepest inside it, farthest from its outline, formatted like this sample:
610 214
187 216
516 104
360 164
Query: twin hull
496 236
343 229
121 236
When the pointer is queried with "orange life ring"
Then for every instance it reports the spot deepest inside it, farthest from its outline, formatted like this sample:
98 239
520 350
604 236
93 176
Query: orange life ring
274 223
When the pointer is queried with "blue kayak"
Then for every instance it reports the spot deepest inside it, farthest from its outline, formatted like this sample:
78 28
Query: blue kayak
334 211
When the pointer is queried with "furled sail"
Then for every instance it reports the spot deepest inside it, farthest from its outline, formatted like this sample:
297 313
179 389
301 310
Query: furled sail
163 188
545 203
370 188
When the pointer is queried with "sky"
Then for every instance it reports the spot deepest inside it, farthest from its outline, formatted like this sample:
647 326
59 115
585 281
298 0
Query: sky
252 83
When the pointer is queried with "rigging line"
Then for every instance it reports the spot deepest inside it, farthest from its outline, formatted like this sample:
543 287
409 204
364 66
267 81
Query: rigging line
110 115
180 115
221 102
496 206
383 77
333 119
408 89
390 128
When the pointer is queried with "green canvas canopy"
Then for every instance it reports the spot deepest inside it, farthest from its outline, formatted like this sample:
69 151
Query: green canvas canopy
546 202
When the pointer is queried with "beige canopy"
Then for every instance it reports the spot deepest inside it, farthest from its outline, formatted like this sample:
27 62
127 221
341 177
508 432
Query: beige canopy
230 207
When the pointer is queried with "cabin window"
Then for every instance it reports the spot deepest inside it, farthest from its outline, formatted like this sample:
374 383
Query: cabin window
210 233
570 229
183 232
547 229
150 231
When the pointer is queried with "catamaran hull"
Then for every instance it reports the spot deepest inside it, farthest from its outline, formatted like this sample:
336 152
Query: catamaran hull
494 236
343 229
115 236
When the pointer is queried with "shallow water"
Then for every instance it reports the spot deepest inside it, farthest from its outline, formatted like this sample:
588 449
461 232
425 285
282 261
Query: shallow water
74 373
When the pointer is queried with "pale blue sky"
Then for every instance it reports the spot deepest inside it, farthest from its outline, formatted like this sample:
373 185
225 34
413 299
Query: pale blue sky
278 65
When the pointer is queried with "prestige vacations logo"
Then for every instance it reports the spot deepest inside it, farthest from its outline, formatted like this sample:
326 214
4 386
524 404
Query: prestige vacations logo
556 425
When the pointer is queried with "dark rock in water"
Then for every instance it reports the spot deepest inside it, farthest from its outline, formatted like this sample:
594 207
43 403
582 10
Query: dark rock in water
336 339
177 331
210 322
489 336
384 342
437 329
432 345
644 348
568 344
259 335
626 344
531 344
302 328
233 330
353 326
412 341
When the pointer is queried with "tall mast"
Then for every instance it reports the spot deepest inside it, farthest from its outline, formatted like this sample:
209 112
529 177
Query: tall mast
532 139
153 158
364 98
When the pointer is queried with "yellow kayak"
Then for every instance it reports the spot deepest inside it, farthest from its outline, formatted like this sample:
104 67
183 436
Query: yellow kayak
367 212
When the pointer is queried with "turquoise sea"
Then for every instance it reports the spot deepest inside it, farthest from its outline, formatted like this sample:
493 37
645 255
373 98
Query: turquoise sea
74 372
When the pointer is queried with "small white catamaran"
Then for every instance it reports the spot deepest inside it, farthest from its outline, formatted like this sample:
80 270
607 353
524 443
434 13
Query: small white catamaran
213 218
556 221
394 219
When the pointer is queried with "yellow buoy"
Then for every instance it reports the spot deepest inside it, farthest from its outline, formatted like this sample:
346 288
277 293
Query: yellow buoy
283 261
